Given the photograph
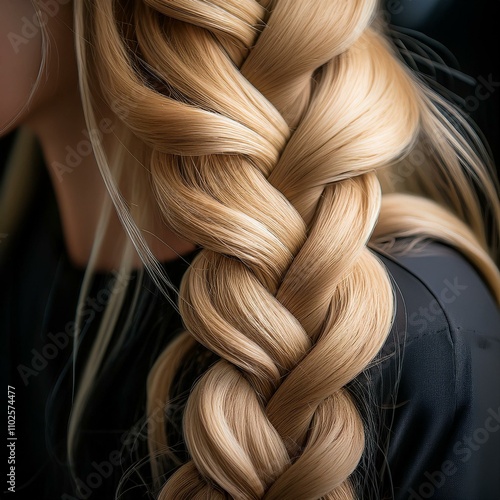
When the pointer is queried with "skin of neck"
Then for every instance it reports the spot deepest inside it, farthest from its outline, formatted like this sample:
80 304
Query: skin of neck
80 190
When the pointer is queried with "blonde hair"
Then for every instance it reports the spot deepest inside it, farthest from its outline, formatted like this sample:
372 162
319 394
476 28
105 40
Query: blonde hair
265 132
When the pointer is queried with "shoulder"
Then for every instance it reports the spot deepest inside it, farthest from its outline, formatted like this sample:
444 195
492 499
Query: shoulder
452 286
439 380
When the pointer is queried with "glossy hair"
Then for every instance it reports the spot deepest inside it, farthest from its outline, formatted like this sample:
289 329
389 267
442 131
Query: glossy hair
265 133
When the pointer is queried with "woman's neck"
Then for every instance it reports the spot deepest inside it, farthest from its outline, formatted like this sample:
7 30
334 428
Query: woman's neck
79 188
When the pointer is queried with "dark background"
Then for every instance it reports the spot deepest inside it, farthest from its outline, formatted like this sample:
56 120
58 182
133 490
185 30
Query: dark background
468 32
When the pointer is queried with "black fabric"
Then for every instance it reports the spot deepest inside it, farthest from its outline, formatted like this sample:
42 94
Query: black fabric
432 396
445 433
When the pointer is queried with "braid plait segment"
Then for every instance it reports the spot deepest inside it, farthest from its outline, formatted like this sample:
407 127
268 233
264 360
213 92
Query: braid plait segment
266 123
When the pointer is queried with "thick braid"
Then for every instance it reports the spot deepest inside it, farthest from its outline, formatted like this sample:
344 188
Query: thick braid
263 149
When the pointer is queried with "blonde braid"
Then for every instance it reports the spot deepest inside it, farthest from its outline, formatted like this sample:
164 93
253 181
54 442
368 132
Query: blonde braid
282 423
265 124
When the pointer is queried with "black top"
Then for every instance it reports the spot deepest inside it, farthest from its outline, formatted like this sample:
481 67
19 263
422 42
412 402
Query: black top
434 393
